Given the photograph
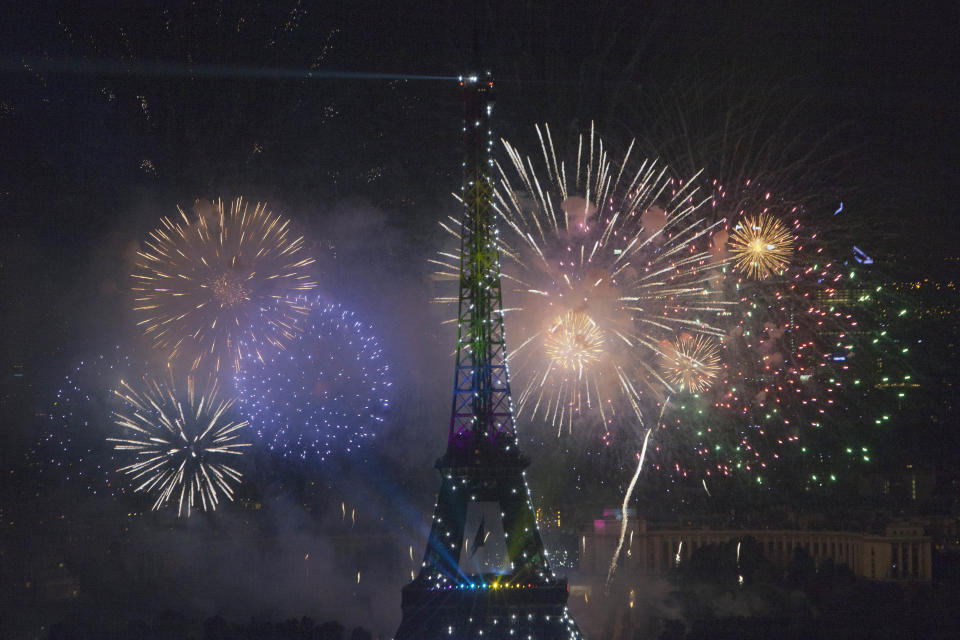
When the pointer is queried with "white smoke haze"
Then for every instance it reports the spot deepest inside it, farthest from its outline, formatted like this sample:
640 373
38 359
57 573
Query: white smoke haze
653 219
272 555
718 245
278 563
633 605
580 212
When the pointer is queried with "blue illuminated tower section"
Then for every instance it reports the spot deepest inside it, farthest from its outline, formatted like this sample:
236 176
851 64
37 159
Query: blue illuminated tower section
485 572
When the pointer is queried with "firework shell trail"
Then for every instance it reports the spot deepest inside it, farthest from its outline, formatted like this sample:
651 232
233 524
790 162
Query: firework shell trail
184 442
624 521
604 262
205 282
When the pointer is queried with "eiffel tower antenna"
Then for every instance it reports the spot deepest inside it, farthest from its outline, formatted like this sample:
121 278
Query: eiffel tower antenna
507 589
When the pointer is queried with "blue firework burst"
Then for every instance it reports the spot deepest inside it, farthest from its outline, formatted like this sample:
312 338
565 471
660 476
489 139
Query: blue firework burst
327 392
73 447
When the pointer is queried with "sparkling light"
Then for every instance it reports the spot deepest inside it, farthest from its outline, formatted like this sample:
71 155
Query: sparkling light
202 284
691 363
761 246
72 448
182 442
786 395
327 392
603 261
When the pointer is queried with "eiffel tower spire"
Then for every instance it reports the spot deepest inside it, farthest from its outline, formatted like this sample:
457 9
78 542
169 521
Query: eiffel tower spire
507 589
481 419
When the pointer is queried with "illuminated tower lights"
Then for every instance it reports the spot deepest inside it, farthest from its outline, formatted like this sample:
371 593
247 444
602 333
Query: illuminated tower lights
483 462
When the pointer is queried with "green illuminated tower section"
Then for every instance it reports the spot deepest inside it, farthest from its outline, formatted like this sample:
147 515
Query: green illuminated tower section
485 573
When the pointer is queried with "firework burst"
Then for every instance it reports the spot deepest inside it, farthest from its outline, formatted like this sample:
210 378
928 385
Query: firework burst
603 261
72 448
782 395
761 246
203 284
328 391
575 342
182 444
691 363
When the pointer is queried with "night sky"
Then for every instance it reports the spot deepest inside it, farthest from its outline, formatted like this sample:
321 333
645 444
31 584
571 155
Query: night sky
876 80
106 128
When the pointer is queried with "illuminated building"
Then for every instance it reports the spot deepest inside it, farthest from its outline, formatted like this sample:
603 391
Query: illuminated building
901 553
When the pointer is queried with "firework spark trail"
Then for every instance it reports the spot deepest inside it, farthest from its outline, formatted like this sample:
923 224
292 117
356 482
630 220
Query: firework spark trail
606 263
623 510
203 284
629 494
180 443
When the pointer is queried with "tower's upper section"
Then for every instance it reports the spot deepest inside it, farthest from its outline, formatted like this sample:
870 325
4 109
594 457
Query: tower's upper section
477 99
481 420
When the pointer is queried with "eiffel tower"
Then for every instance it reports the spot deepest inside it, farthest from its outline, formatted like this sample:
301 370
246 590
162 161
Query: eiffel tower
485 573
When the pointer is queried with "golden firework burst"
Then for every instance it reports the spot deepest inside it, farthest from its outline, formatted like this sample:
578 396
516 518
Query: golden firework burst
574 341
204 283
620 241
761 246
691 363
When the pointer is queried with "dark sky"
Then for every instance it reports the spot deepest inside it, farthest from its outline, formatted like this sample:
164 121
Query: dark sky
86 170
92 158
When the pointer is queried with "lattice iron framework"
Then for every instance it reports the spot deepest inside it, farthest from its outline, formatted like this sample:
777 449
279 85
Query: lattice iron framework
481 393
451 596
